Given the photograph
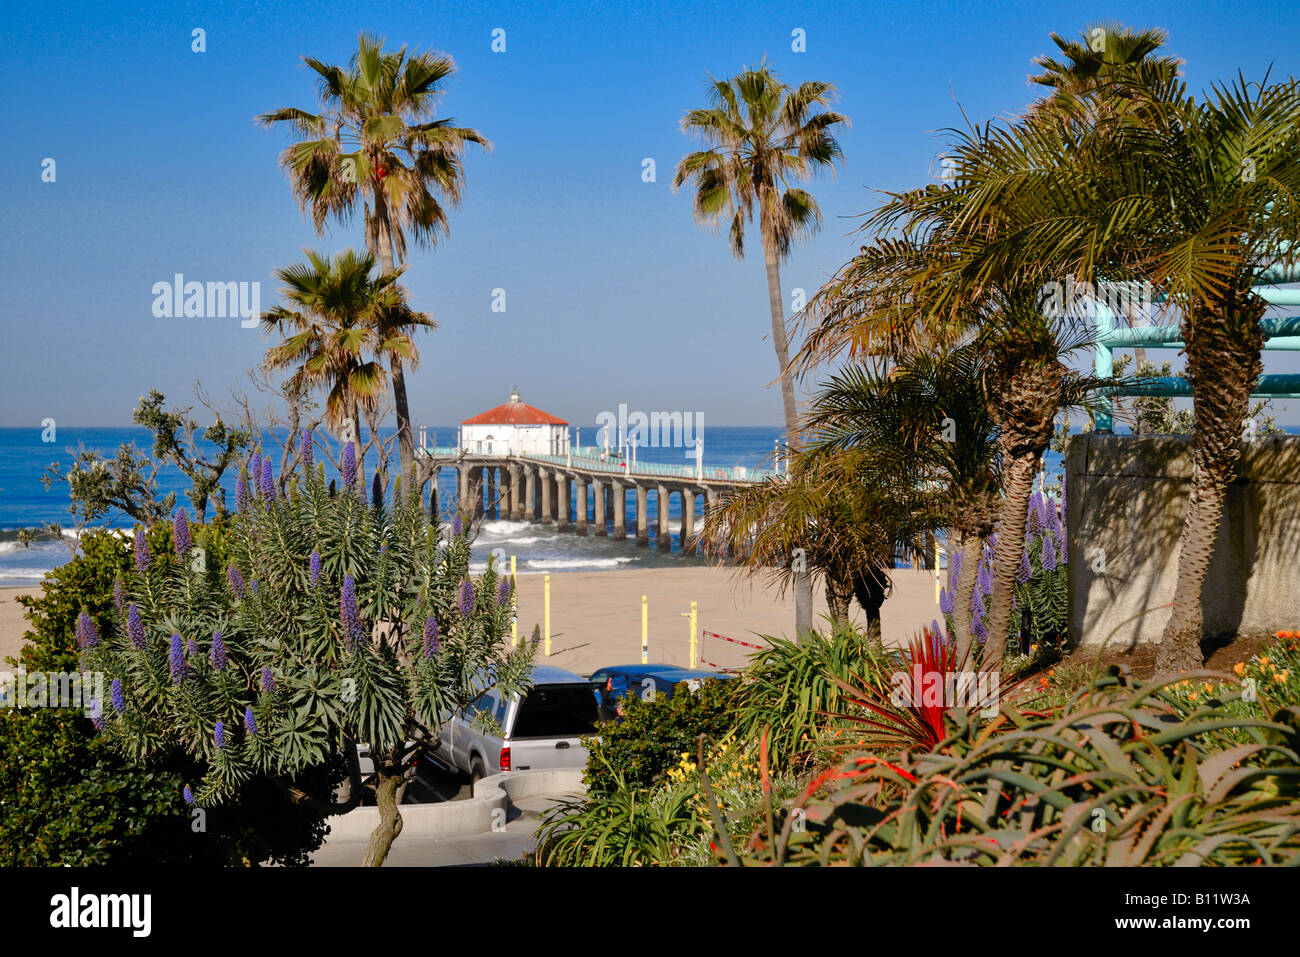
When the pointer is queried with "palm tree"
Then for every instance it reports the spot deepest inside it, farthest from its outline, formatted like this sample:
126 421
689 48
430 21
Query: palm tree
375 141
760 135
1200 197
340 329
1109 70
834 511
926 415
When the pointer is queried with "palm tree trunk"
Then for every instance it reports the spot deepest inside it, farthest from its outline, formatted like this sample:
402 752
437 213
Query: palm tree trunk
869 587
803 592
838 596
1018 488
1223 365
971 547
401 408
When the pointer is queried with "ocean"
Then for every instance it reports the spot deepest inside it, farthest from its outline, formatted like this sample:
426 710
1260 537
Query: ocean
25 502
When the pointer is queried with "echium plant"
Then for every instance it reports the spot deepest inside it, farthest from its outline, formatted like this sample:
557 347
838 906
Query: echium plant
334 623
1041 597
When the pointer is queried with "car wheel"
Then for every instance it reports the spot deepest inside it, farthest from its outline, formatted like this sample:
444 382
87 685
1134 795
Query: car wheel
476 770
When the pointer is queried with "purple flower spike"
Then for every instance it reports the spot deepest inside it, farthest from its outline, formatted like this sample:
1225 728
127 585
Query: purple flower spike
456 526
87 633
954 568
503 593
236 579
430 637
1049 554
1024 572
977 605
97 714
176 659
314 567
250 724
191 651
268 481
188 794
980 630
181 533
377 492
349 466
119 594
946 602
306 450
243 497
350 615
135 627
268 679
218 653
119 699
219 735
252 586
466 599
984 580
142 556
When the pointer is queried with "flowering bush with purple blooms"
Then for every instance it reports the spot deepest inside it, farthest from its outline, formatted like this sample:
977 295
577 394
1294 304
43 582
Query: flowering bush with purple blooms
1041 599
360 622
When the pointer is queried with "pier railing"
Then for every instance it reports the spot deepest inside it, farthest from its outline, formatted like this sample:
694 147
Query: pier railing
593 462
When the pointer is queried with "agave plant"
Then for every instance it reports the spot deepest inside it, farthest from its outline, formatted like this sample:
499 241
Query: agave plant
337 622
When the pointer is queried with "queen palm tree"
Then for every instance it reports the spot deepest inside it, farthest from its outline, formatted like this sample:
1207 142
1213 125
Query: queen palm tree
760 135
375 141
341 329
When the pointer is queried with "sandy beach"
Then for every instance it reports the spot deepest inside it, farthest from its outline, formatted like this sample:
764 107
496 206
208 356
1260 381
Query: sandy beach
596 616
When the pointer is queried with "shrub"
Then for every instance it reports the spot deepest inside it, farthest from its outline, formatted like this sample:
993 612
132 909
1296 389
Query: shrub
333 619
794 689
67 797
1119 776
654 733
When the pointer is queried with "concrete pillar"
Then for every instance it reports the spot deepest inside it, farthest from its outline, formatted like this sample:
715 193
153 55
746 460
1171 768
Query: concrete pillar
601 489
476 490
462 492
688 522
548 497
664 536
562 501
516 493
642 516
491 492
530 494
619 492
581 485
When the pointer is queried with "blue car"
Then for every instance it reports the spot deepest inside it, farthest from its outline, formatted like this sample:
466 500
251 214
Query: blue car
614 683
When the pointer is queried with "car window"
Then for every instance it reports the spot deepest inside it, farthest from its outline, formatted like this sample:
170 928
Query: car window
555 711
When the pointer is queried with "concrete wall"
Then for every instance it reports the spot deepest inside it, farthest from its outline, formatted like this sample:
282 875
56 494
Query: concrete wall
1126 500
486 809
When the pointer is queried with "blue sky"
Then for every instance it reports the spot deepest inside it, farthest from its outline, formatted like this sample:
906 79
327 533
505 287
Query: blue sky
613 294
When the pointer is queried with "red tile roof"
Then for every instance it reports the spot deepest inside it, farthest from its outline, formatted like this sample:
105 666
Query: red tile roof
514 413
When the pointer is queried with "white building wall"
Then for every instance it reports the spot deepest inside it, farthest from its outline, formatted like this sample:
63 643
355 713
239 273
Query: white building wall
515 439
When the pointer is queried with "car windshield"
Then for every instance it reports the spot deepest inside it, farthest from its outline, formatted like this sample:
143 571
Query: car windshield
556 711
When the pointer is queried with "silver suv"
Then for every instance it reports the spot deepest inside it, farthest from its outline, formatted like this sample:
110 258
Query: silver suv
541 729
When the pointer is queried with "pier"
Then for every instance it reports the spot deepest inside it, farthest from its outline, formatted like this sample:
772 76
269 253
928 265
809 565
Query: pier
585 491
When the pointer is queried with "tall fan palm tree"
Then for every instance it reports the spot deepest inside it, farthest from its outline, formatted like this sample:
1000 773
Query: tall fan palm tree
760 135
1111 68
343 325
375 142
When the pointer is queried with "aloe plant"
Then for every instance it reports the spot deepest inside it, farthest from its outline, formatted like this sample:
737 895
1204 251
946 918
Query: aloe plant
1122 775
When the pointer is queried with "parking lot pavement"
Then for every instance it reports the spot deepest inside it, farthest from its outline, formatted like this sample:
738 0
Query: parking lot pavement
514 840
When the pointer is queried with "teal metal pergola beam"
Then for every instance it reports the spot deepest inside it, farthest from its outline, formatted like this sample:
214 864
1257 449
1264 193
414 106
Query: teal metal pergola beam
1282 333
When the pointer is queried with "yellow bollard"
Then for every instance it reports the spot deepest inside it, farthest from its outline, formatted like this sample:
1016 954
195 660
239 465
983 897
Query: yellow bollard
514 598
546 604
645 634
